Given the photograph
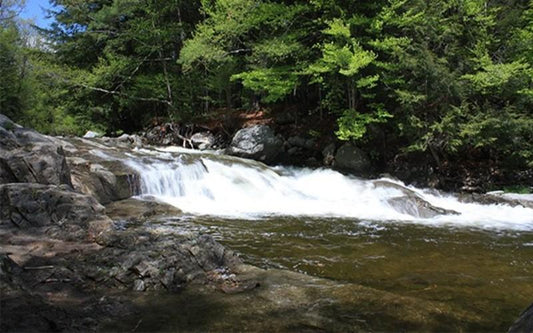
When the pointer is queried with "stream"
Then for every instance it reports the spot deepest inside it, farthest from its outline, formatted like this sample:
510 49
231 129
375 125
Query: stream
381 234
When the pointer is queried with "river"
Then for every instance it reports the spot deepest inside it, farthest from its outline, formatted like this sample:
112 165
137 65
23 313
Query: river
374 233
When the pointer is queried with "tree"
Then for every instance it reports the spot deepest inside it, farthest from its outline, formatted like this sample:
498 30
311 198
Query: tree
121 57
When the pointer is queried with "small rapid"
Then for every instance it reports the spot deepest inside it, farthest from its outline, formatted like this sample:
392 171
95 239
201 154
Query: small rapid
218 185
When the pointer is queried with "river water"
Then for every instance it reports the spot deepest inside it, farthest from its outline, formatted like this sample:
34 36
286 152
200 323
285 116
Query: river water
474 258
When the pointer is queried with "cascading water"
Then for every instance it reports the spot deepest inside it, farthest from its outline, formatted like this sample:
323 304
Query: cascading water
208 184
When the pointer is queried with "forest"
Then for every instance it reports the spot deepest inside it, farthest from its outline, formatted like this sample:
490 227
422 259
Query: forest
451 80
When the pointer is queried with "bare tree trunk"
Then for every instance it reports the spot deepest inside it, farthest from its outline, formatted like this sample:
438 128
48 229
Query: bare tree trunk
165 70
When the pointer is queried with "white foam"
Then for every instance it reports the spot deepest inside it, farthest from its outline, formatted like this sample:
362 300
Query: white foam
231 187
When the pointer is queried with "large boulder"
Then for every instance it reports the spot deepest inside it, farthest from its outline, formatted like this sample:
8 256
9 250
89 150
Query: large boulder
203 140
257 142
30 157
66 214
352 159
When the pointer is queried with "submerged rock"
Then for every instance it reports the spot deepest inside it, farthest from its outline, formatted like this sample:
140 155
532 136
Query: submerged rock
524 323
257 142
134 209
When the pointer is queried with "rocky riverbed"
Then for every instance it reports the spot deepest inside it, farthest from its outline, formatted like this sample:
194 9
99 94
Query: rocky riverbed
78 253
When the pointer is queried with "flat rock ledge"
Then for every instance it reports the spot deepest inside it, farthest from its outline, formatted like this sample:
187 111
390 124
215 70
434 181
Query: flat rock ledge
56 278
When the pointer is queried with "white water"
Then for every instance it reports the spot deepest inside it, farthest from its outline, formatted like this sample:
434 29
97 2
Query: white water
204 184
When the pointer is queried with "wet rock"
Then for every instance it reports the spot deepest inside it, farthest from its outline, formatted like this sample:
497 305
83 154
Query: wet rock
410 203
108 183
499 198
134 140
203 140
135 209
417 207
524 323
68 215
353 159
257 142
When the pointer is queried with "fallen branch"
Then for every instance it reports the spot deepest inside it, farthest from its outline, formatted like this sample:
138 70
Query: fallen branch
36 268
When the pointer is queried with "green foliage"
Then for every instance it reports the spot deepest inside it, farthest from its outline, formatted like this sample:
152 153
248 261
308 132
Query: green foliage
274 84
353 125
520 189
452 79
11 96
494 78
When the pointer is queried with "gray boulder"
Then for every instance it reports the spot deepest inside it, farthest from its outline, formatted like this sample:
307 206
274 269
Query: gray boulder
203 140
351 158
257 142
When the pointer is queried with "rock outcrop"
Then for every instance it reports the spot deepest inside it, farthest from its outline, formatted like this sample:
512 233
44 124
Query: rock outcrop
37 197
62 213
257 142
107 181
30 157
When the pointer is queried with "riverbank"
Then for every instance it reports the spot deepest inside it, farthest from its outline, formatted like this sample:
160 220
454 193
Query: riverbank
301 144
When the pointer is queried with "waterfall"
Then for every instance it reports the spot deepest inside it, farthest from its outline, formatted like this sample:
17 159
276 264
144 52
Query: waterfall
208 184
